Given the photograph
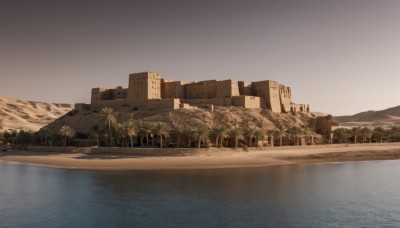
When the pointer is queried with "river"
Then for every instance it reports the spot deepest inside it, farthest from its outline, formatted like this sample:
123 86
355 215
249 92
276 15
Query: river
348 194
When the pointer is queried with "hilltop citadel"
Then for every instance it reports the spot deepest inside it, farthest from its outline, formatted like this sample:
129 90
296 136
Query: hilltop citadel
148 90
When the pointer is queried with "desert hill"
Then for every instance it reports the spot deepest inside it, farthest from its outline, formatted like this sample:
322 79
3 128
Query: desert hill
387 117
319 114
87 120
29 115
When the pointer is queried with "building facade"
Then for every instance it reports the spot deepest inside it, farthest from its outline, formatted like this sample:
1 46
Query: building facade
148 90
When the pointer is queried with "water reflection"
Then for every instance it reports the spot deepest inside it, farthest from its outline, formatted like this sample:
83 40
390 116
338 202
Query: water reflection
319 195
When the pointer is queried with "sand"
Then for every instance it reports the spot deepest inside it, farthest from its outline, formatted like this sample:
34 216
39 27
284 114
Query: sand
204 158
29 115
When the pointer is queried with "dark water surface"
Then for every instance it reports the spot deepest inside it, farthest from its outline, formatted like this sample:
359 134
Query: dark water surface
352 194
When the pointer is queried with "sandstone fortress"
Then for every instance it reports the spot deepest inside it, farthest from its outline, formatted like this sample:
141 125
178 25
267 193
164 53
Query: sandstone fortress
148 90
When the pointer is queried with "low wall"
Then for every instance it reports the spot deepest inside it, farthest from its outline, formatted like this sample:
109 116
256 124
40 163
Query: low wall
59 149
162 104
213 101
187 151
114 150
109 103
142 151
248 101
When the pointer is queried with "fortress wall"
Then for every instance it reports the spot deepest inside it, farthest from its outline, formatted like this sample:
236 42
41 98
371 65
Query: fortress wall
248 101
213 101
201 90
95 95
285 95
210 89
227 88
269 90
154 86
174 89
119 93
82 106
194 91
109 103
300 108
163 104
274 98
137 89
244 88
144 86
99 94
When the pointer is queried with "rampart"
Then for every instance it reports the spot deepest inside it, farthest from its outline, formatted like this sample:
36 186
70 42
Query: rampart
148 90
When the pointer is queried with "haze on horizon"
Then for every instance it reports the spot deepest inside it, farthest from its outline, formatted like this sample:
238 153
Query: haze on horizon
341 57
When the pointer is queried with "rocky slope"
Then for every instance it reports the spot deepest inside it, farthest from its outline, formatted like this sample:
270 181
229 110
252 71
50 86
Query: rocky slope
29 115
87 120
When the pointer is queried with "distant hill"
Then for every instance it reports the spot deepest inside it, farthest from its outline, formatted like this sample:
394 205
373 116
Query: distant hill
319 114
390 116
29 115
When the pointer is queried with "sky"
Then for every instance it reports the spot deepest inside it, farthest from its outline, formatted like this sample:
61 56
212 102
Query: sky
341 57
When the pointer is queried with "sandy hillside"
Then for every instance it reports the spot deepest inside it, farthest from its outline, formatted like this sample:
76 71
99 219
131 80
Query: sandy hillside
87 120
30 115
387 117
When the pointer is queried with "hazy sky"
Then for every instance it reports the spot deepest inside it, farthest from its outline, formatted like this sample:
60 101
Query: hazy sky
341 57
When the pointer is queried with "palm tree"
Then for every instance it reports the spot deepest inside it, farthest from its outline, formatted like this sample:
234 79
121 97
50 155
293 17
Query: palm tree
147 129
24 138
189 132
108 117
66 132
178 130
294 131
129 130
309 135
201 134
140 132
355 132
388 134
281 132
379 133
395 133
220 132
237 134
341 134
44 134
120 133
162 130
250 134
259 134
95 135
365 133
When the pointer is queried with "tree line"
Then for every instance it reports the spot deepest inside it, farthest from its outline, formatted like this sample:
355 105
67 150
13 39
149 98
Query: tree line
366 135
129 133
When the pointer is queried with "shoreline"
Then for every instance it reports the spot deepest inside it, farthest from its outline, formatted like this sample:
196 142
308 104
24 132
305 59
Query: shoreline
211 158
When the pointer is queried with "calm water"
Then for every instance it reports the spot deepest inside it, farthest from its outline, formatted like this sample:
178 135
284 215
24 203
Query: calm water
353 194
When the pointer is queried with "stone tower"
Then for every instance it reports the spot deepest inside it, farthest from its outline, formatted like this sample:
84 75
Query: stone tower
144 86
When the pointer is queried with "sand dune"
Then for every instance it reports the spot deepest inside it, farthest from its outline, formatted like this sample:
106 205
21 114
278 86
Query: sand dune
30 115
387 117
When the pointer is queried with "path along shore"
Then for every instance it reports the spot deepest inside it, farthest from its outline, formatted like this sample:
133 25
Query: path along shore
204 158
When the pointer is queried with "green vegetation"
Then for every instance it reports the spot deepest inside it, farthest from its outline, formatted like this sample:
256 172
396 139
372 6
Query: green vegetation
130 133
108 117
366 135
201 134
66 133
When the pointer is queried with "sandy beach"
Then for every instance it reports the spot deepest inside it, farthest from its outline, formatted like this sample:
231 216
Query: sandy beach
209 158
